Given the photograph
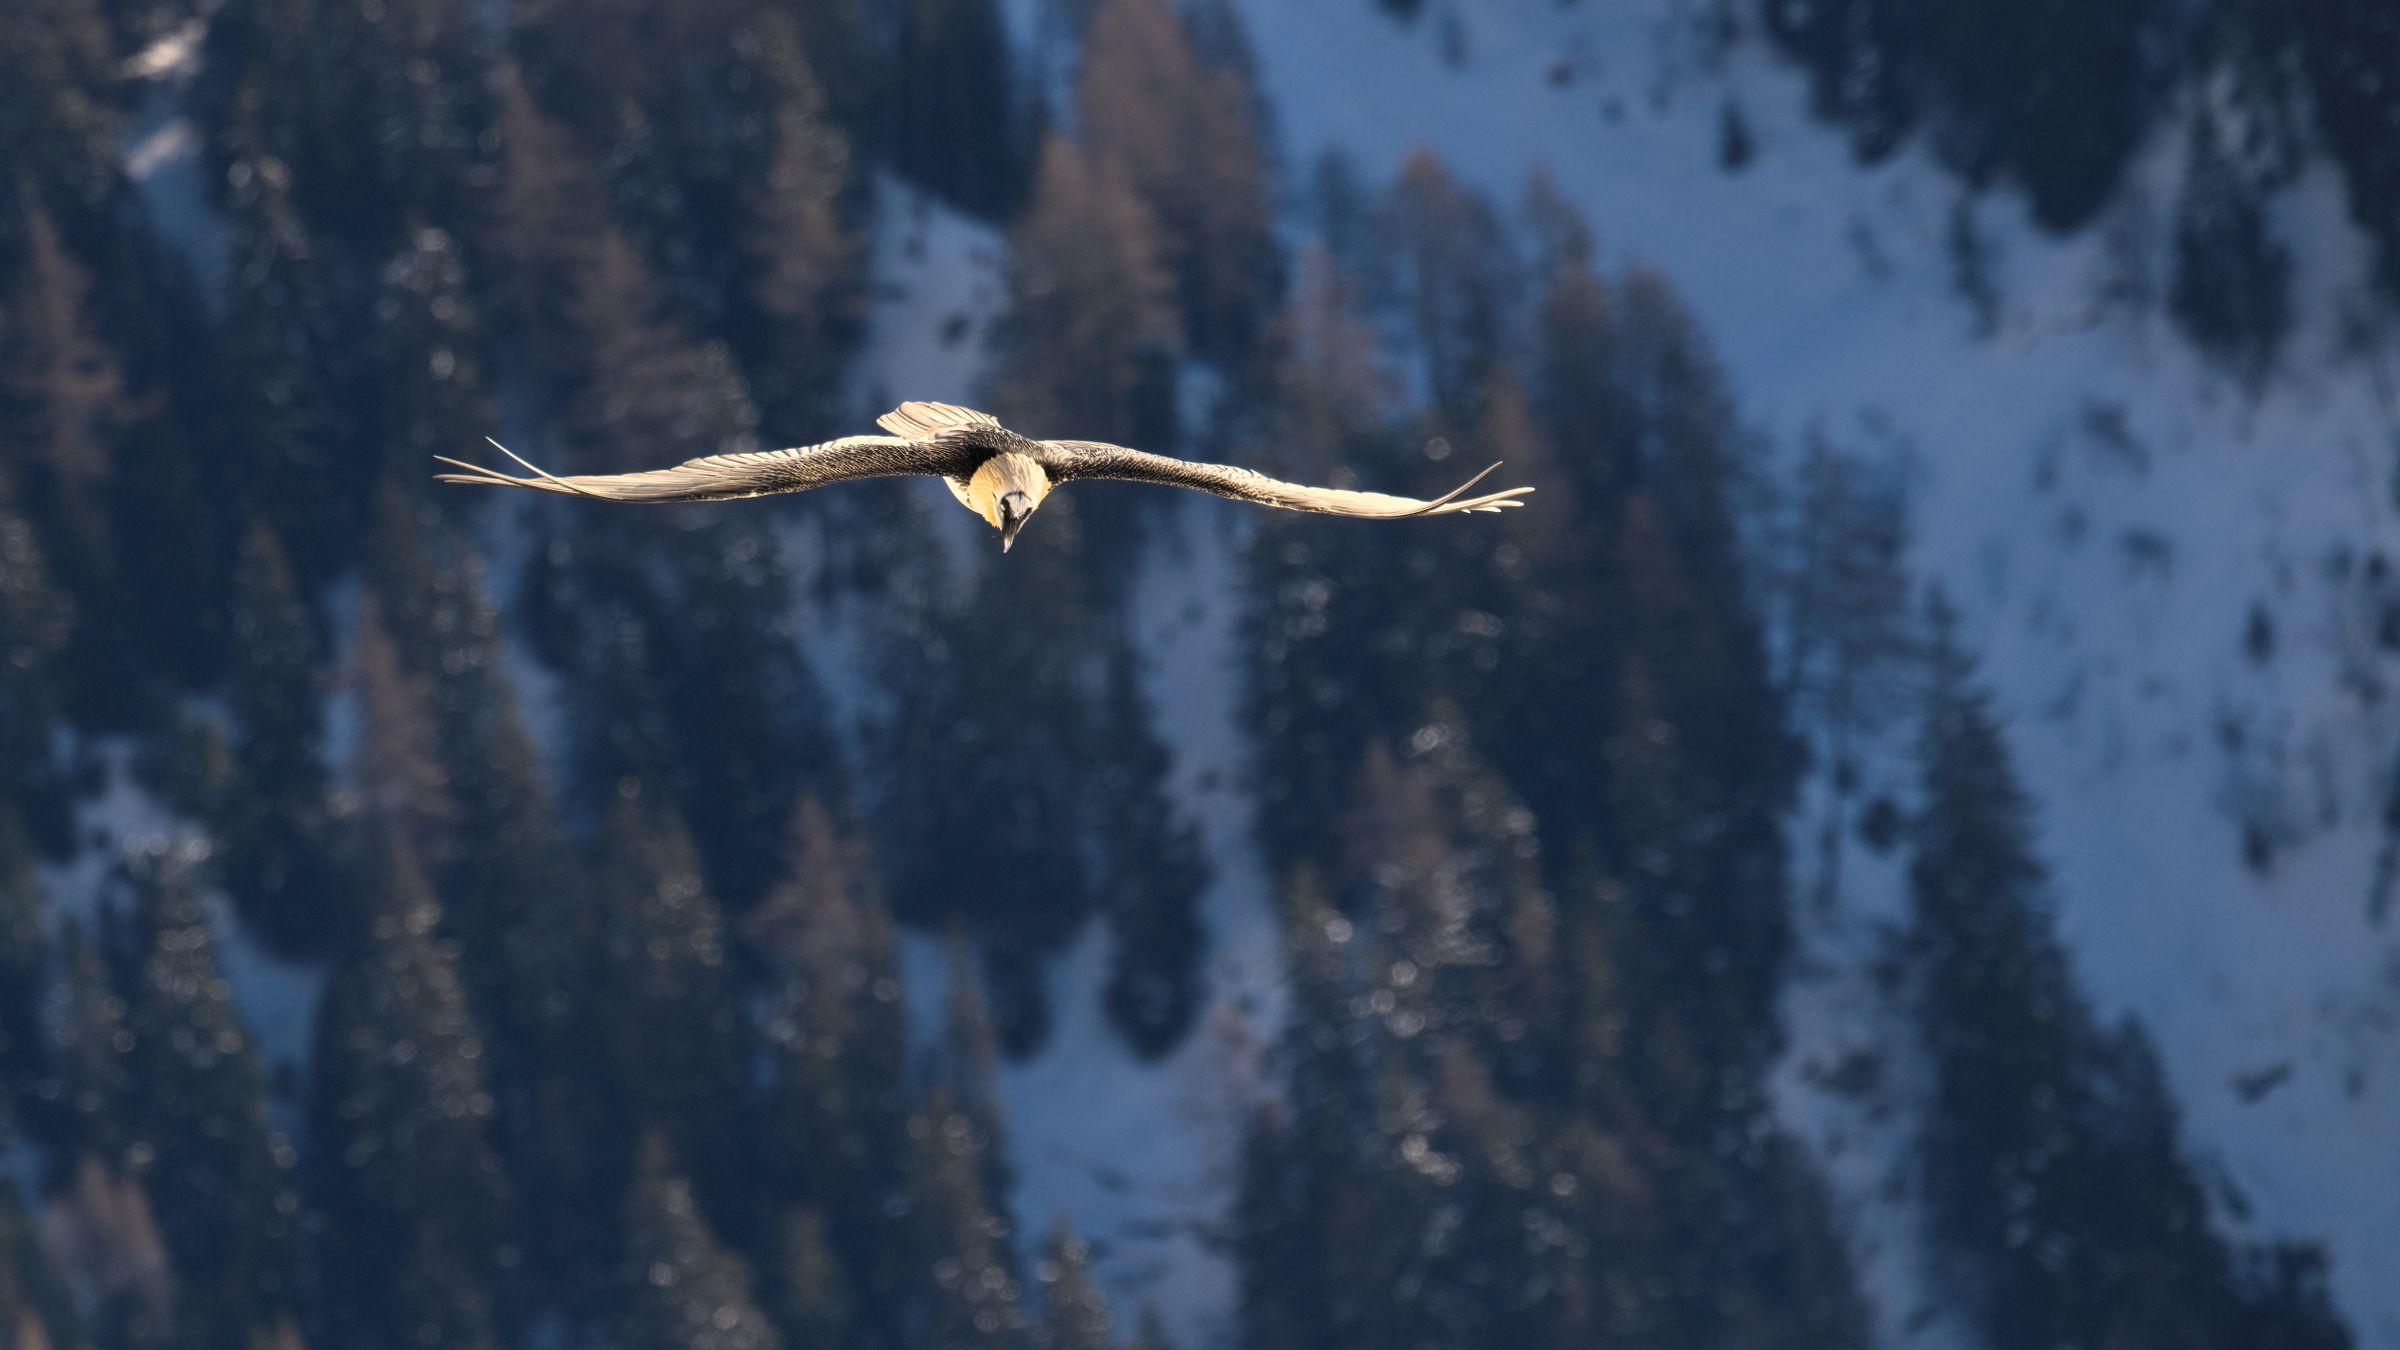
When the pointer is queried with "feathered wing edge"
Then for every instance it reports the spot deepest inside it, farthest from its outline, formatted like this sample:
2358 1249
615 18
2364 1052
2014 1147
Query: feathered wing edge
1098 459
542 478
731 477
1445 505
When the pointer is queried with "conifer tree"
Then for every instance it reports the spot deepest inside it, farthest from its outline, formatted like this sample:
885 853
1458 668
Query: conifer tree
37 621
1151 1332
419 1243
1087 344
1332 391
811 1293
1091 304
987 781
693 688
23 951
838 1026
1074 1315
1558 238
2052 1161
687 108
1183 133
645 383
747 712
1151 878
65 415
838 1107
1291 1163
75 34
395 774
527 934
800 255
683 1289
219 1173
963 135
64 382
665 995
1450 276
87 1093
101 1226
36 1312
967 1296
966 1067
1573 378
548 221
427 337
374 109
276 865
2051 96
1844 595
58 63
302 464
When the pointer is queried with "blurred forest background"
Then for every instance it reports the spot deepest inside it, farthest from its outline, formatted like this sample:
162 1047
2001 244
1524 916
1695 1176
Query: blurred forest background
543 819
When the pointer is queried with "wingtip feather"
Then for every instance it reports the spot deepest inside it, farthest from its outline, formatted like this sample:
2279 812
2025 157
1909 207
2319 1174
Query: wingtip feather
543 480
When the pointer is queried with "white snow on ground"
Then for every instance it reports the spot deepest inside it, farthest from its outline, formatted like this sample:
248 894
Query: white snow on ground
937 287
2101 505
173 56
1854 1079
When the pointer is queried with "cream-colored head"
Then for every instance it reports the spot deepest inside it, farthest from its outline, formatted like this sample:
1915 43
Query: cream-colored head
1005 492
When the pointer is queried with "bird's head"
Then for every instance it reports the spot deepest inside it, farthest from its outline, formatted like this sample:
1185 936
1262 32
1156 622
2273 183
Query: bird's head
1006 491
1012 510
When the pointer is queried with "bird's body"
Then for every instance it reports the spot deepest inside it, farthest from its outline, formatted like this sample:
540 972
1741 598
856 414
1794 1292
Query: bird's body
993 471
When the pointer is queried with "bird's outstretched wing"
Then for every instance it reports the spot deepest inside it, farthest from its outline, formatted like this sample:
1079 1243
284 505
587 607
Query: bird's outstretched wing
720 477
1067 460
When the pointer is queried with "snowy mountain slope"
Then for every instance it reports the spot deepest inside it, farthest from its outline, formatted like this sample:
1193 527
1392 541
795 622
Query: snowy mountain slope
2102 505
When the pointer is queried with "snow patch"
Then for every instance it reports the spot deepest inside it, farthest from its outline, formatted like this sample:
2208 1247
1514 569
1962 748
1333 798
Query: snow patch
937 287
1855 1078
175 56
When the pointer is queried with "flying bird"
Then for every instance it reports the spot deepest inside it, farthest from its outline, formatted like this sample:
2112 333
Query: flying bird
994 472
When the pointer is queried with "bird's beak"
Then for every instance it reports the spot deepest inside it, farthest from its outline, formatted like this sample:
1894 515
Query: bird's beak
1015 509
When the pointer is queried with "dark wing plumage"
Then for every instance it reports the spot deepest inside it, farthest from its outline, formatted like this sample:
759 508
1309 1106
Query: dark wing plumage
1068 460
722 477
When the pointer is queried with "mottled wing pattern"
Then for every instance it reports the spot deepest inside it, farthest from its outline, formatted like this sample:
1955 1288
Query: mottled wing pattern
1068 460
722 477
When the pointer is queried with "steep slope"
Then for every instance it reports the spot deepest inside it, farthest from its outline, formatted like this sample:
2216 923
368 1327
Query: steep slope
2104 507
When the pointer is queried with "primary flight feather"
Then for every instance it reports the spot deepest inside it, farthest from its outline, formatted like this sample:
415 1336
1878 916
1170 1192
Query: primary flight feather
994 472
